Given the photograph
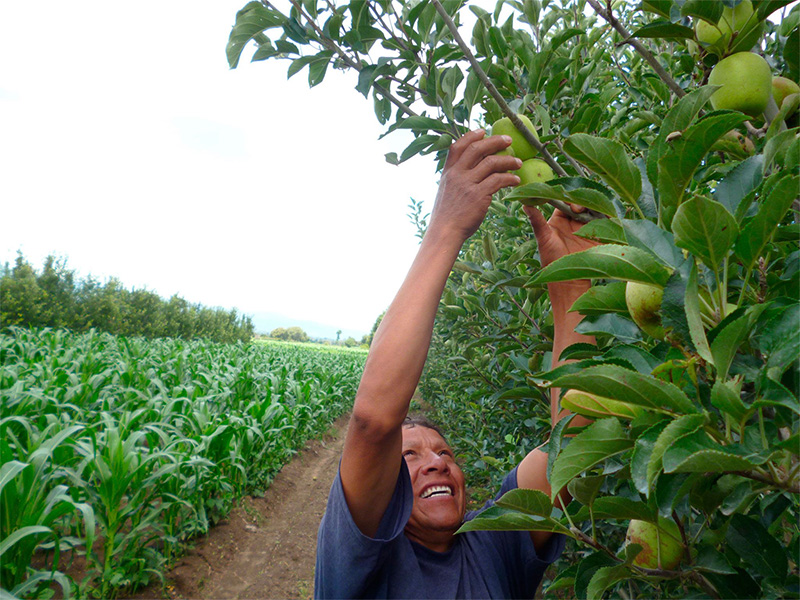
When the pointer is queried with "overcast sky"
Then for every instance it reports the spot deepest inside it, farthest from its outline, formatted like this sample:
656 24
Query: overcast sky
128 147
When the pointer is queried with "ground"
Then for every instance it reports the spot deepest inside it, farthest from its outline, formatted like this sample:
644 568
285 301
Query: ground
266 547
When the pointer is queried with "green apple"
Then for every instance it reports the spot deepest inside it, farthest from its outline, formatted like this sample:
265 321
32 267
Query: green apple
746 83
519 145
598 407
644 305
534 170
736 144
716 38
782 87
662 547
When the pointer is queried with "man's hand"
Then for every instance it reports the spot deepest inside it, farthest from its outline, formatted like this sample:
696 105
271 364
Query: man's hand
556 238
472 173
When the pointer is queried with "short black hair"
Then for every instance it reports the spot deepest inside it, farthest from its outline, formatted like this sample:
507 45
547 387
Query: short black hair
423 421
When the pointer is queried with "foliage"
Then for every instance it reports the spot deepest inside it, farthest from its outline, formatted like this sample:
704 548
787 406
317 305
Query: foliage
617 92
139 445
294 334
55 298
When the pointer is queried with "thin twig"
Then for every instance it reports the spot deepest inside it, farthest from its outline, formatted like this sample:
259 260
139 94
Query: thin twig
637 45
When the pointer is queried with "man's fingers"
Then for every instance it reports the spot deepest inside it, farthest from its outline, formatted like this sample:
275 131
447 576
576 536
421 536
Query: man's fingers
479 150
496 164
539 223
496 182
461 144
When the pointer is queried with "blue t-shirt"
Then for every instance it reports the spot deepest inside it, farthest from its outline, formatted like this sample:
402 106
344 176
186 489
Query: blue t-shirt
480 564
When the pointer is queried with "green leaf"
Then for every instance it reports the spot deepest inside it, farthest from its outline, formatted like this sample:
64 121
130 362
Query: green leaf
252 20
703 9
20 534
757 548
757 232
698 453
742 180
604 578
779 338
605 231
675 430
648 236
618 383
725 397
678 164
616 507
706 229
497 518
530 193
318 66
607 261
659 7
530 502
609 160
642 452
586 570
730 337
614 325
775 149
602 299
697 332
297 65
664 29
678 118
767 7
585 489
708 559
599 441
554 444
421 124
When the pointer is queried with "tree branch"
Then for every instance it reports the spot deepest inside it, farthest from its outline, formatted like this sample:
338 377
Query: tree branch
637 45
490 87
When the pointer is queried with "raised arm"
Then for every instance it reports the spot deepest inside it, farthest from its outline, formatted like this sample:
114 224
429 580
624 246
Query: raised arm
372 452
556 238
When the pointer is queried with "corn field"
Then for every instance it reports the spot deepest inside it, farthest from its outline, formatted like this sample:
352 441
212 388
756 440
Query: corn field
117 450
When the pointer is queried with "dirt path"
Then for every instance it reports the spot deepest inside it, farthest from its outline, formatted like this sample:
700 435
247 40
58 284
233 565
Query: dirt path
266 547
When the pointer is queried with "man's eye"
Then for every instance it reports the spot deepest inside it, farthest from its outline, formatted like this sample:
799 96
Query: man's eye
408 453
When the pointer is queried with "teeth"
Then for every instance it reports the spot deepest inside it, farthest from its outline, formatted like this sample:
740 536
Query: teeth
437 489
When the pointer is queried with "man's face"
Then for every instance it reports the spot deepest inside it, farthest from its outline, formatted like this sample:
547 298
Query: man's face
438 484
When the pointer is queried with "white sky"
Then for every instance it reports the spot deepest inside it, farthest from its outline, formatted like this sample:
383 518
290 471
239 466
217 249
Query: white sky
129 147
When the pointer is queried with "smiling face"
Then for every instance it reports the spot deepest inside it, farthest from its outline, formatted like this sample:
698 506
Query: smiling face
438 484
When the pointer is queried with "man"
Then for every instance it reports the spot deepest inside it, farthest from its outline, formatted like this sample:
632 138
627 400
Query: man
389 528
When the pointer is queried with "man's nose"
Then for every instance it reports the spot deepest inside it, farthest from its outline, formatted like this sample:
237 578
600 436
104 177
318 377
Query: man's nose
436 462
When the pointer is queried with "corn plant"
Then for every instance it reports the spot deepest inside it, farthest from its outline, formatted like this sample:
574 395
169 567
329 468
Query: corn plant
138 445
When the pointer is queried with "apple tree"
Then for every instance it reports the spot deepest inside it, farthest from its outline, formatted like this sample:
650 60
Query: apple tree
693 191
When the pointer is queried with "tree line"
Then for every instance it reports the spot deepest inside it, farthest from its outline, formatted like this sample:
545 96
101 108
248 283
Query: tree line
55 297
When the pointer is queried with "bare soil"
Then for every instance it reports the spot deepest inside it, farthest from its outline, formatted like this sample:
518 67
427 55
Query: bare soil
266 547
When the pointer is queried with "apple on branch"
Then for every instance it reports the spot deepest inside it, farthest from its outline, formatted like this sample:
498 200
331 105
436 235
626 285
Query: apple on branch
746 83
519 145
662 546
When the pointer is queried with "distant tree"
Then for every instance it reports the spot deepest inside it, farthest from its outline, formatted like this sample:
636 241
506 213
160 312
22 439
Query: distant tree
338 334
351 342
296 334
20 296
279 333
58 286
368 338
